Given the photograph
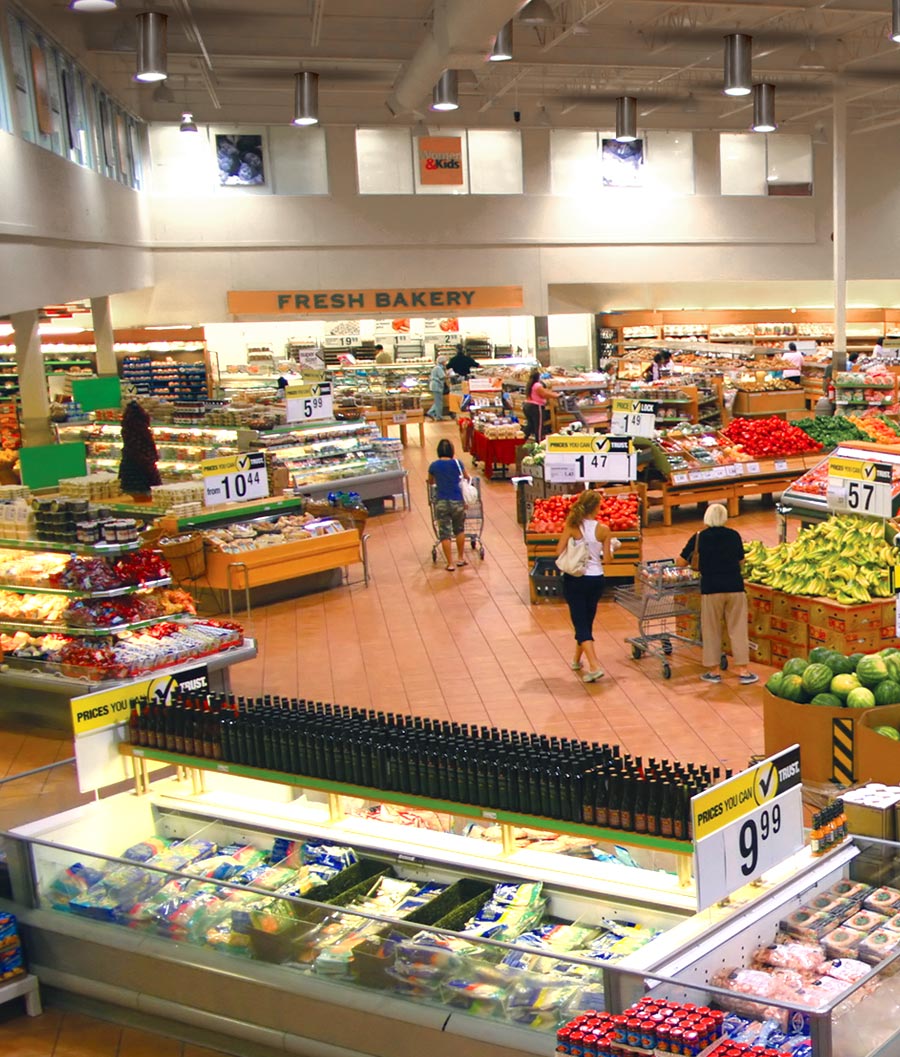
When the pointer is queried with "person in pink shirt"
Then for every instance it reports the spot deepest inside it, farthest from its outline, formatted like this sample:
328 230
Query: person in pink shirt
537 397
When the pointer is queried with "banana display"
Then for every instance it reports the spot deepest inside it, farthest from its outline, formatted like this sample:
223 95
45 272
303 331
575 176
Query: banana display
846 558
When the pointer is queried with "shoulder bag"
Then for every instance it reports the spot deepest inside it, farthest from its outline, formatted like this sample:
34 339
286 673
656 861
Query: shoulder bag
469 491
574 558
695 555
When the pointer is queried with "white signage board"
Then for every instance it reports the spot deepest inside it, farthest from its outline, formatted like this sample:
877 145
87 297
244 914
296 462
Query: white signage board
634 418
235 478
309 402
590 457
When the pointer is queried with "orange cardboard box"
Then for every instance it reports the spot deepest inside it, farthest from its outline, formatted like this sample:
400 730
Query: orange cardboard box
760 649
811 726
877 757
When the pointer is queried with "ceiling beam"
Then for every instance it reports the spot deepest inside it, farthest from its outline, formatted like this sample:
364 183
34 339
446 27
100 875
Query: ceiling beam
318 17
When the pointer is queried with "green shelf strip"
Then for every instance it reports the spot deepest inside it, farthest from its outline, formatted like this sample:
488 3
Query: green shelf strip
448 807
89 633
98 551
116 592
261 509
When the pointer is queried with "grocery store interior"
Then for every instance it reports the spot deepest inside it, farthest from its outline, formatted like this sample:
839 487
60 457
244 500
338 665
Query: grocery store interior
303 748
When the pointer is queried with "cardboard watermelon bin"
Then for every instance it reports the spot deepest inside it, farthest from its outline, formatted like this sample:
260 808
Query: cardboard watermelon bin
823 734
877 757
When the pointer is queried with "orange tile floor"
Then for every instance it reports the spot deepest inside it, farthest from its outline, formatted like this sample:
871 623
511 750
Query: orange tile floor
466 646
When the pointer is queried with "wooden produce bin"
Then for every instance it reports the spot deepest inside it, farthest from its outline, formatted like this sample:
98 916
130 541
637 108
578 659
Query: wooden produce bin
715 491
778 402
826 737
877 757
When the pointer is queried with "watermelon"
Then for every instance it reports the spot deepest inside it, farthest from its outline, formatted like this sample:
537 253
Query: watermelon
819 655
817 679
841 665
888 650
861 698
827 701
855 658
889 732
893 666
773 684
887 692
792 688
843 684
871 670
795 666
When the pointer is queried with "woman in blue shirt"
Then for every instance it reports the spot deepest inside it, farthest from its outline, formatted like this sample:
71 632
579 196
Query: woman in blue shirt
449 509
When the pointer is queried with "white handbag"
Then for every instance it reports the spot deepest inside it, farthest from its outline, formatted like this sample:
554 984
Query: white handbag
574 558
469 491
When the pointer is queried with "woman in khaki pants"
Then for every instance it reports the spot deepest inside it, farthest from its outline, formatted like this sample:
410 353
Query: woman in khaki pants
722 598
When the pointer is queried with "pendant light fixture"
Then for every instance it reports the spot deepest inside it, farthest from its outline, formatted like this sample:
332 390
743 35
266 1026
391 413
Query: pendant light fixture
93 5
738 75
764 108
502 49
188 124
537 13
445 95
626 119
895 20
151 47
306 98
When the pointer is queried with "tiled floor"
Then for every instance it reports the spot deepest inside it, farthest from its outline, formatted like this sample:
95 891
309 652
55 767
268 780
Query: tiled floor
466 646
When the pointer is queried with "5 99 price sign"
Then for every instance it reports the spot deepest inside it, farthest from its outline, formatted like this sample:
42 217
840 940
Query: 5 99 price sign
746 825
235 478
309 403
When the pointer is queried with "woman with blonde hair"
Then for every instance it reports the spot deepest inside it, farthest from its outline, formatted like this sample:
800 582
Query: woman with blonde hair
582 593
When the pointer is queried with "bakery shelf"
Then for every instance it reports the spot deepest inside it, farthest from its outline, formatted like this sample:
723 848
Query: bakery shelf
93 633
117 592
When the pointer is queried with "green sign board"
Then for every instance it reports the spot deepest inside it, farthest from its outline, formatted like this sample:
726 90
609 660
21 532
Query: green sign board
46 465
97 394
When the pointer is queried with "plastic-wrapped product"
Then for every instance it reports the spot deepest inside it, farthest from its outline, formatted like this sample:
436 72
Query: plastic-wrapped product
878 945
72 883
865 921
481 999
883 901
849 970
842 942
145 849
850 890
808 924
800 956
829 903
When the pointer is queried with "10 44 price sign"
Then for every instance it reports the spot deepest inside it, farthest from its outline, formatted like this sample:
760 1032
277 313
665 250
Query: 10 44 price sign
590 457
309 403
235 478
633 418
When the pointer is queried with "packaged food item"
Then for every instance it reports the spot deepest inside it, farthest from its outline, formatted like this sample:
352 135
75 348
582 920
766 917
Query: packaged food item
842 941
850 890
849 970
878 945
808 924
883 901
799 956
865 921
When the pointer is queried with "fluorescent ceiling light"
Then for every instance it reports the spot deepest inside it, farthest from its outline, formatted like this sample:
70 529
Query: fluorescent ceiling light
502 49
738 74
306 98
151 47
626 119
93 5
537 13
445 95
764 108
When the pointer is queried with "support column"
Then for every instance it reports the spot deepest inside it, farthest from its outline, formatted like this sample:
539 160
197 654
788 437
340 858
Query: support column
35 414
839 225
542 340
103 336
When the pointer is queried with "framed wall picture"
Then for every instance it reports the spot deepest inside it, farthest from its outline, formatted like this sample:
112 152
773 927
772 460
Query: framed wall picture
622 164
241 160
41 90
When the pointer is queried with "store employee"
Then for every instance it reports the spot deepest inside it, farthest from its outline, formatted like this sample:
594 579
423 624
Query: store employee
795 359
382 355
462 364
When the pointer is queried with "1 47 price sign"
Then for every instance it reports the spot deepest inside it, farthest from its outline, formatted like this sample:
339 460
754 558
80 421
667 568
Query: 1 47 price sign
309 403
590 457
235 478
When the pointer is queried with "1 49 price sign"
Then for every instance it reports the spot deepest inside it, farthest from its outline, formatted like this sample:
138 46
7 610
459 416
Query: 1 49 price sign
634 418
309 403
235 478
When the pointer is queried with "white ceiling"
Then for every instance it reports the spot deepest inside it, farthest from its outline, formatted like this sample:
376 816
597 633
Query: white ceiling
232 61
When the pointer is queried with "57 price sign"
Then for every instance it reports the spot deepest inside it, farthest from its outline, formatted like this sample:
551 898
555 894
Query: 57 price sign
590 457
309 403
235 478
635 418
746 825
857 487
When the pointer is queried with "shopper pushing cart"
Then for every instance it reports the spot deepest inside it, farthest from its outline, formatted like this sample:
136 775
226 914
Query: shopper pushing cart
453 518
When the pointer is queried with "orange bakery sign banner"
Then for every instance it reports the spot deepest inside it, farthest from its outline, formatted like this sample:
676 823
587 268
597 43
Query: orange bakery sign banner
273 303
440 161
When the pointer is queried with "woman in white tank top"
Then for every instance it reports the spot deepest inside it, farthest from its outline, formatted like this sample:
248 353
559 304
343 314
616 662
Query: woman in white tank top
582 593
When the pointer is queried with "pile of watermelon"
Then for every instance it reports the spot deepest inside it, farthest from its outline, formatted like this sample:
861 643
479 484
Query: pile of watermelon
827 677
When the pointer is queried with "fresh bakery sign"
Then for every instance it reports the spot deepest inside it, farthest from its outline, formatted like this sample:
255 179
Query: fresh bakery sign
274 303
440 161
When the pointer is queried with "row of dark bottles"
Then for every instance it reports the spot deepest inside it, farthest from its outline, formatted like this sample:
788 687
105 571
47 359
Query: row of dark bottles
557 778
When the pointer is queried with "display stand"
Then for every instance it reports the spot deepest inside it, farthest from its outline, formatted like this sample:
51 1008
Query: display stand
402 419
496 455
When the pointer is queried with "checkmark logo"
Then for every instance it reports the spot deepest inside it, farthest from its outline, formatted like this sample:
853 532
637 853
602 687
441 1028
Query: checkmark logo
767 781
243 462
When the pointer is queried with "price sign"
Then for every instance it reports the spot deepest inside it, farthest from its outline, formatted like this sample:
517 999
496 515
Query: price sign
635 418
781 465
235 478
746 825
485 385
309 403
590 457
345 341
399 418
856 487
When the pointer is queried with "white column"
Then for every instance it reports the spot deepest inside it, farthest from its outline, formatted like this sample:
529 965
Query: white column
103 336
839 224
35 414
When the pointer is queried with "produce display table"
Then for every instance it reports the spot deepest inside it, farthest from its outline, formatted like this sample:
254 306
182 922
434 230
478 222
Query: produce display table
495 454
402 419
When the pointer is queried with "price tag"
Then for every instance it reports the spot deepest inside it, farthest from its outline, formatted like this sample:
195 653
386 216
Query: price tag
718 472
781 465
751 467
399 418
235 479
857 487
679 478
341 342
633 418
590 457
309 403
746 825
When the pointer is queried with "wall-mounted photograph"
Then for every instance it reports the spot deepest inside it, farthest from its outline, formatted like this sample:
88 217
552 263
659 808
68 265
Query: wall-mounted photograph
240 160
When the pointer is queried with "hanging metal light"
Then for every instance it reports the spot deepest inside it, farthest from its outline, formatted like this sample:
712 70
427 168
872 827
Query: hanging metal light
895 20
151 46
93 5
306 98
537 13
764 108
188 124
626 119
445 95
502 50
738 72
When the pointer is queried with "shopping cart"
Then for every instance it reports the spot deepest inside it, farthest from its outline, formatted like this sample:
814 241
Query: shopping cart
660 599
474 521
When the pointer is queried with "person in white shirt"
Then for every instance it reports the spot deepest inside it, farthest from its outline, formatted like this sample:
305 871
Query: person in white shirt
878 351
795 359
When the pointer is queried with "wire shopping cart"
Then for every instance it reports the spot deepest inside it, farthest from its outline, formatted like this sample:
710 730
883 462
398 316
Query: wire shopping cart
661 600
473 525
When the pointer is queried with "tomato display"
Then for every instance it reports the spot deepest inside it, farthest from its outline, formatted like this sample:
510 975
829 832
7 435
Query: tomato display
760 437
619 512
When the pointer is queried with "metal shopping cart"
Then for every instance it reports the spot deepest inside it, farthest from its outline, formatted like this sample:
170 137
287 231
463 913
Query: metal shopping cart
661 599
473 526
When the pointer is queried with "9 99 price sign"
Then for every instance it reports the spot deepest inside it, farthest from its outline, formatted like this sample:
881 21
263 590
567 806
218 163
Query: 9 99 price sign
309 403
746 825
235 478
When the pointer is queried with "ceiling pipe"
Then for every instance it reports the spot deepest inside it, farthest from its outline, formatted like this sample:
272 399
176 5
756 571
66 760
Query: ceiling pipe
459 38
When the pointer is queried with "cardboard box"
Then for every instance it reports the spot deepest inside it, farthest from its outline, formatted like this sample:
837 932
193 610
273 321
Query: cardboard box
798 608
786 723
780 651
781 604
824 613
760 598
792 632
865 821
758 624
770 403
878 757
760 649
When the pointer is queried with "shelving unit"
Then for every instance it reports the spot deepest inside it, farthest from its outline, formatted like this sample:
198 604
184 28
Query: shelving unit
852 396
